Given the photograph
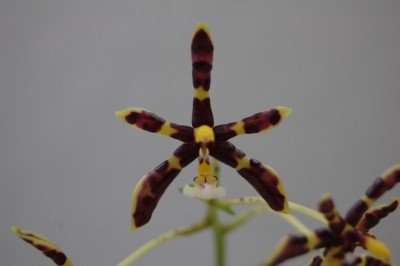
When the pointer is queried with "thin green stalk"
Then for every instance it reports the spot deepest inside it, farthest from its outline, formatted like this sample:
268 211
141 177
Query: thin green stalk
308 211
202 224
290 218
296 223
219 235
258 200
234 223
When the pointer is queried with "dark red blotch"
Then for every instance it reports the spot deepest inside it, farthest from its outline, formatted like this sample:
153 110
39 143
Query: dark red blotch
202 43
261 121
145 120
202 113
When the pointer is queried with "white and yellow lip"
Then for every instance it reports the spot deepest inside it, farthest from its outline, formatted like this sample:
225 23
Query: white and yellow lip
204 191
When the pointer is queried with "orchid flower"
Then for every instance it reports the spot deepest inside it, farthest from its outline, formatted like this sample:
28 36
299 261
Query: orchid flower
343 235
201 139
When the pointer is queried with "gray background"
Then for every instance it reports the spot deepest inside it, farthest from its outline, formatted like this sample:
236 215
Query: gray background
68 166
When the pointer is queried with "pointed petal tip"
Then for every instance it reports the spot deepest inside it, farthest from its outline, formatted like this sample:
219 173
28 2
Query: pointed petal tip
132 227
16 229
201 26
284 111
377 248
120 114
123 113
391 169
286 209
326 196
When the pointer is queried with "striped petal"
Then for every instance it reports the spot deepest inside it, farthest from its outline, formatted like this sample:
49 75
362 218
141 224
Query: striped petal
258 123
386 181
202 50
293 245
315 261
373 216
153 185
43 244
145 120
262 177
327 208
366 260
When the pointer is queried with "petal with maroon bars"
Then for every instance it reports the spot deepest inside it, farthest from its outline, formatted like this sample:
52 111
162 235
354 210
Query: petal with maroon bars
145 120
366 260
262 177
386 181
343 237
315 261
257 123
153 185
293 245
373 216
327 208
45 245
202 50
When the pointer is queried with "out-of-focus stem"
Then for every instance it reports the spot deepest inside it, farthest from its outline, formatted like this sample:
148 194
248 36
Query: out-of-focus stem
163 238
258 200
234 223
290 218
296 223
308 211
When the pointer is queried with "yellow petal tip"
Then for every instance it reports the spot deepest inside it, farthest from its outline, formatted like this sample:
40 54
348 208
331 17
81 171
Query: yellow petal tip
286 210
377 248
201 26
284 111
119 114
132 228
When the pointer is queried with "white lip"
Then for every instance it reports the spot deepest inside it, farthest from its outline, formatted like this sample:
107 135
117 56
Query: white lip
204 191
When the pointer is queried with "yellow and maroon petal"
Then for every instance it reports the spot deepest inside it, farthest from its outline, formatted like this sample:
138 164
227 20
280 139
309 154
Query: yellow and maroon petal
386 181
315 261
43 244
202 50
327 208
367 260
257 123
295 245
374 246
373 216
153 185
262 177
145 120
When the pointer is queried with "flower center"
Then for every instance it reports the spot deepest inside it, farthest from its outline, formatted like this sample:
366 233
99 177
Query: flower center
204 134
204 168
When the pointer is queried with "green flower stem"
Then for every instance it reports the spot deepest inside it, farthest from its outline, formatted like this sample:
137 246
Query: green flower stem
308 211
212 215
219 235
219 230
258 200
243 218
290 218
296 223
202 224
